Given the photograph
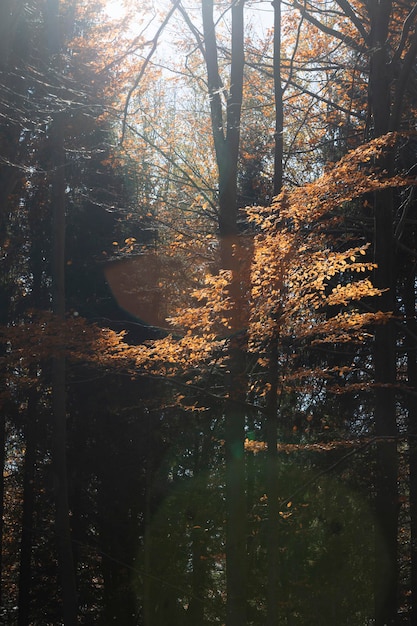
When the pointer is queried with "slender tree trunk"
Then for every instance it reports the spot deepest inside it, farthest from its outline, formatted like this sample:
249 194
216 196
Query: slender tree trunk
147 583
59 437
2 464
411 321
279 108
4 319
228 157
202 449
26 542
236 534
235 388
226 143
386 502
59 413
147 538
272 591
236 523
385 428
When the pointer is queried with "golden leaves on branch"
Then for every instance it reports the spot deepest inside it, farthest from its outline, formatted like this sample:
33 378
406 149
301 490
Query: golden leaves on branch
296 274
355 174
43 336
171 356
255 447
293 291
301 291
343 294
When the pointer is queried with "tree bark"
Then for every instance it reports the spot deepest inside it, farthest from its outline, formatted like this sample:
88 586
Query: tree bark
2 464
279 108
236 526
386 501
411 317
226 137
272 399
272 591
26 541
59 413
225 127
202 450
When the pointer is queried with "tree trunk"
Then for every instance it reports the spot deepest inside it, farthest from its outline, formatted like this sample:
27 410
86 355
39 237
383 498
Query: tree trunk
59 413
4 319
147 539
236 526
239 257
26 541
279 108
272 488
272 591
59 436
227 151
2 464
411 320
386 502
202 450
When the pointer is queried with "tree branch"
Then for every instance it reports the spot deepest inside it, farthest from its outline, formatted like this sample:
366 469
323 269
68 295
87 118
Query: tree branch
327 29
145 65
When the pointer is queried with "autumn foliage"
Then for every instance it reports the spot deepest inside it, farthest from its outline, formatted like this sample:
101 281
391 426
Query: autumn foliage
221 380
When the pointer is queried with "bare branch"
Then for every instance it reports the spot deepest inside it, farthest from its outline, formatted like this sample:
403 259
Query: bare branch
145 65
327 29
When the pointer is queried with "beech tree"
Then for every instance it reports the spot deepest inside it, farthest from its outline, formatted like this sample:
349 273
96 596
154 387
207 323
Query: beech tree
299 291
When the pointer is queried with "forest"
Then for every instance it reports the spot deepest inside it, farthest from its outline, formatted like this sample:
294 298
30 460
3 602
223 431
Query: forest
208 331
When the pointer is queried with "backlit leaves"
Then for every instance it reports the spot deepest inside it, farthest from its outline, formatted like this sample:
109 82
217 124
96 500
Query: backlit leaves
301 290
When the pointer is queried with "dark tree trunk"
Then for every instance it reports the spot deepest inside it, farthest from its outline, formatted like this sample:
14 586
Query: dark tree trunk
386 501
236 526
26 541
279 108
59 413
2 464
202 450
411 317
4 318
10 130
225 127
147 538
235 417
272 591
398 100
226 144
272 488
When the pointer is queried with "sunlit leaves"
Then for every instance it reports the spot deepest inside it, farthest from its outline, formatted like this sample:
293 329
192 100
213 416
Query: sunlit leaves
354 175
43 336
